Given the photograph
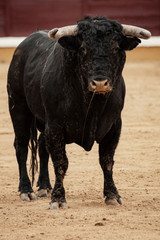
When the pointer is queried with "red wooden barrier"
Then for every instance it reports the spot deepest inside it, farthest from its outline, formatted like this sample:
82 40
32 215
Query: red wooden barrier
22 17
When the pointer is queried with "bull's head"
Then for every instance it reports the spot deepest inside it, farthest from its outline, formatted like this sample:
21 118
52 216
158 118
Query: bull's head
100 45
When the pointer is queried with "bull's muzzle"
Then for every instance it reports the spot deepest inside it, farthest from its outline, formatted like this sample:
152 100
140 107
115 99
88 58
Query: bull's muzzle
100 87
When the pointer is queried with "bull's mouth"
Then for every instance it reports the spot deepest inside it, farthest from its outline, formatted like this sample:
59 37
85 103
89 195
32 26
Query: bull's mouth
98 92
100 87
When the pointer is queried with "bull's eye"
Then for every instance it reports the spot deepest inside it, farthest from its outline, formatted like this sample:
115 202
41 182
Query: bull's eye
115 46
83 50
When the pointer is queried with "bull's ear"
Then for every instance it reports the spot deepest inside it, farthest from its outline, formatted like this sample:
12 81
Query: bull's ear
70 43
129 43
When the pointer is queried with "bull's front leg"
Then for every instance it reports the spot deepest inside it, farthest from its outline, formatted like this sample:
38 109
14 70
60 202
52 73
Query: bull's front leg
56 147
106 153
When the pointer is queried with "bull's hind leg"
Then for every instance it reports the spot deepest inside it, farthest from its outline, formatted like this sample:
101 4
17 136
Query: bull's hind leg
106 153
56 147
21 118
43 180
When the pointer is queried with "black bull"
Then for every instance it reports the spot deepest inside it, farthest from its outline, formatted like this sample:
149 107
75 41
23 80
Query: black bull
71 90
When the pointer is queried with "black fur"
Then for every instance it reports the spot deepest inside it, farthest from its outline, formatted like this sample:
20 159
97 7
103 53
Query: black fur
48 81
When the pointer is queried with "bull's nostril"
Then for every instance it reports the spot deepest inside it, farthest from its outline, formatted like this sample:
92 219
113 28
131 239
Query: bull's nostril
93 83
106 83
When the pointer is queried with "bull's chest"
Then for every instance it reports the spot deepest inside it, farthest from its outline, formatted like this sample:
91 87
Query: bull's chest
85 125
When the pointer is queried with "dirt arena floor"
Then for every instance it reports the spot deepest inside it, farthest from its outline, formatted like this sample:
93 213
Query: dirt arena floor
136 174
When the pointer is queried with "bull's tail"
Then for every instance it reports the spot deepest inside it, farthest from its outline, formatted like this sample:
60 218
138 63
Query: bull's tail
33 147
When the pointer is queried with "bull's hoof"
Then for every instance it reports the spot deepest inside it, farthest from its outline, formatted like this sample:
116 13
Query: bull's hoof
32 196
28 196
42 193
24 197
113 201
120 201
57 205
54 206
63 205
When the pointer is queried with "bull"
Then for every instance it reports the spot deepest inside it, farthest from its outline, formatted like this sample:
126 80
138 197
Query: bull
69 86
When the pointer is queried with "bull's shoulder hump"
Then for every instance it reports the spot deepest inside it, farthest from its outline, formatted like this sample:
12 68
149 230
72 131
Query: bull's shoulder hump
35 38
38 43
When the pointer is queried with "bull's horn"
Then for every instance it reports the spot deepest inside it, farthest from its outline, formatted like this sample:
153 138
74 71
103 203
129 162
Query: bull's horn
133 31
57 33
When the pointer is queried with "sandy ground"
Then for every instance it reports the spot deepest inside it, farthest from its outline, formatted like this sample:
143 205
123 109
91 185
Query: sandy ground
136 173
